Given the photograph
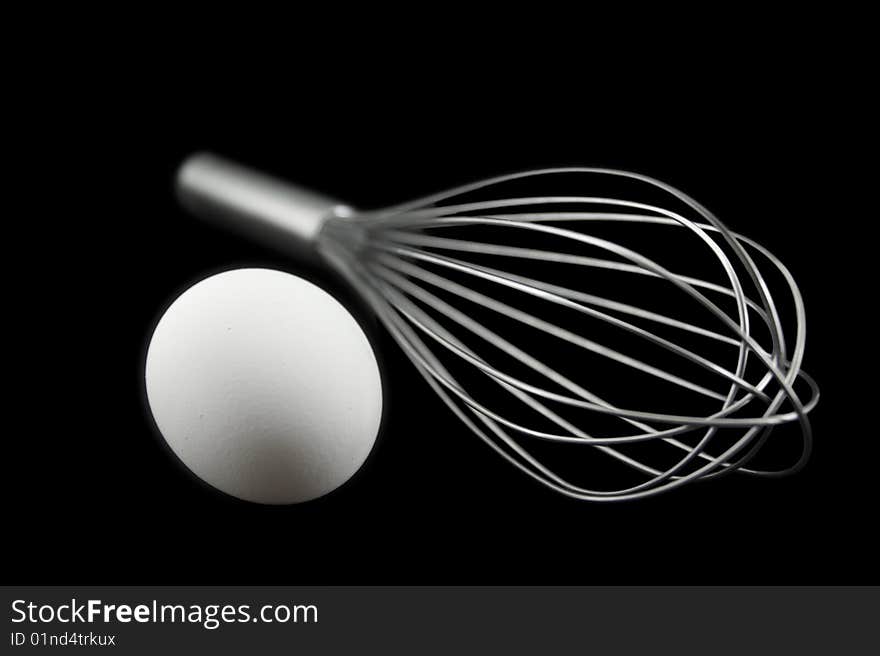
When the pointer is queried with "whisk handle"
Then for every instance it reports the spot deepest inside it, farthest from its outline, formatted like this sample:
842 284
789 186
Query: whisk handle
275 212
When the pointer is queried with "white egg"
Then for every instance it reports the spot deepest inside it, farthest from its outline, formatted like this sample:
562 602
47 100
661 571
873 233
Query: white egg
264 386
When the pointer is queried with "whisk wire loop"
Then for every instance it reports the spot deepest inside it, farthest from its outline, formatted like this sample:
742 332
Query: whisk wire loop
418 285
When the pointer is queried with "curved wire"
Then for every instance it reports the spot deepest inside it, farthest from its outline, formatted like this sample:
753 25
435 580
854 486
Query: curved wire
387 265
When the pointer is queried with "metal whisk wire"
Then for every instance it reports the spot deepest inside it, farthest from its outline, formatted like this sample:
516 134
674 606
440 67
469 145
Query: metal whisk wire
388 264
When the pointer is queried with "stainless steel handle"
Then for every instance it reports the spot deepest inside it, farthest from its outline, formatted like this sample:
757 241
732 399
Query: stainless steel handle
272 211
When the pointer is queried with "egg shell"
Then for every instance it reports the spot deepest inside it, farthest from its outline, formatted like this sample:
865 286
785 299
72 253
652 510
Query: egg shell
264 386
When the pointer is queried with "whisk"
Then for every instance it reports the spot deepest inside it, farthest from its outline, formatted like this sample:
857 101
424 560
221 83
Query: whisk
491 299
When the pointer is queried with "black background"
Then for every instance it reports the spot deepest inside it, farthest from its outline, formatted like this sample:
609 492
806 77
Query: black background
96 497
